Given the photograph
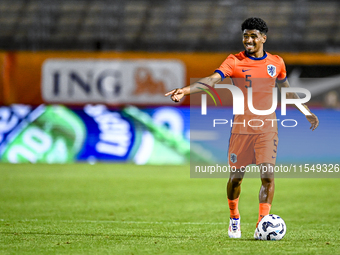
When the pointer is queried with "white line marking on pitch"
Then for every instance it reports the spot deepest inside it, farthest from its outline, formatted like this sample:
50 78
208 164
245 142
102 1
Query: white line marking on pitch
126 222
153 222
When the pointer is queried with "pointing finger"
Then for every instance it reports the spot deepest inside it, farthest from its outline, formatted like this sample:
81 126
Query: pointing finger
170 92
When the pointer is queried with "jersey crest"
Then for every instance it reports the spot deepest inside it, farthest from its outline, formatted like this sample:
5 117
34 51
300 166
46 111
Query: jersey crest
271 69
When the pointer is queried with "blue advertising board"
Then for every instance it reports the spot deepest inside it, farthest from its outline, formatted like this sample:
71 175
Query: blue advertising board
155 135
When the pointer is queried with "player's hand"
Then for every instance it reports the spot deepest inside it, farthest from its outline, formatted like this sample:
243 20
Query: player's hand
314 121
176 94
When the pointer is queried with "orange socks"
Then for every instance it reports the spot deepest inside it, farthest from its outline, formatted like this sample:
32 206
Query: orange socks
264 209
233 206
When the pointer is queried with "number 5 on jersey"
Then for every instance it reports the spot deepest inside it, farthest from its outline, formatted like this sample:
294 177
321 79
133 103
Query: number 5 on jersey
248 80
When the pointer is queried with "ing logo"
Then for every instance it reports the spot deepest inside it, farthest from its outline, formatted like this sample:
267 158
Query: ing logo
146 83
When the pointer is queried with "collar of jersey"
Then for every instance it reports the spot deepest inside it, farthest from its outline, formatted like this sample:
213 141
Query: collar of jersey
253 58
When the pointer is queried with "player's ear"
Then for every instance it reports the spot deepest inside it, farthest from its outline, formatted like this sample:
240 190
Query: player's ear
264 38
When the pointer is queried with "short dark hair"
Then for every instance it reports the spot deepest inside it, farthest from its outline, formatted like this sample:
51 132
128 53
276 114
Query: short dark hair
255 23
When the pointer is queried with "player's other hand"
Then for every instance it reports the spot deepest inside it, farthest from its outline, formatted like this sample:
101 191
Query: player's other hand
314 121
175 94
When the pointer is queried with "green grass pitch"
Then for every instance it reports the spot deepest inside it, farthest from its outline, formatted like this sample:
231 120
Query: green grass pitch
128 209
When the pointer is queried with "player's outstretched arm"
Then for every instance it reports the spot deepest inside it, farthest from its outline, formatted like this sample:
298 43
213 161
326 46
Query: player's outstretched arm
313 119
177 94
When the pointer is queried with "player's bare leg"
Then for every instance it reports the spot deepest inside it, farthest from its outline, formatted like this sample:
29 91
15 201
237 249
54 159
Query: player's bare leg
233 193
266 192
267 183
234 184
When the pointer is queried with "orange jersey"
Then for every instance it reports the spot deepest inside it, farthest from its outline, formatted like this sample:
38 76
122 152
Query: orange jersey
260 74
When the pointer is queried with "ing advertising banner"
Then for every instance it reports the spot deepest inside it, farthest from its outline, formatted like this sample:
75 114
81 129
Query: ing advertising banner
119 78
110 81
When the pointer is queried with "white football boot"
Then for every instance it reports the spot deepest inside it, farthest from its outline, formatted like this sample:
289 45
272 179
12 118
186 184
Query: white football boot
257 234
234 230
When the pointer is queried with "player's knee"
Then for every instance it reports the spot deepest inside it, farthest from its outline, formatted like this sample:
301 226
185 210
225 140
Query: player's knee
267 180
235 181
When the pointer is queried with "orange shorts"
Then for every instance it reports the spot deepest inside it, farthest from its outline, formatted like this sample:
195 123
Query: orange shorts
247 149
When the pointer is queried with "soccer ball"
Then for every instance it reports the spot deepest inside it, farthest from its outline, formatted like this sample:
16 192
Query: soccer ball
271 227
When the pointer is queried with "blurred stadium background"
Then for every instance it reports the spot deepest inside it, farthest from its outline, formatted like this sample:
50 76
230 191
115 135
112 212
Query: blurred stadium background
84 80
165 25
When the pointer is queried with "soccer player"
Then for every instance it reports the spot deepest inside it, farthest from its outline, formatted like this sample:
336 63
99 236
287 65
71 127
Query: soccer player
259 70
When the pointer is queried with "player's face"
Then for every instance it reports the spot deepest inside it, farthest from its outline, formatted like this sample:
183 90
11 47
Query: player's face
253 40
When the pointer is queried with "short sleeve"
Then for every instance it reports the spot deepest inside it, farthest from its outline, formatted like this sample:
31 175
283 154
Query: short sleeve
227 67
282 76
